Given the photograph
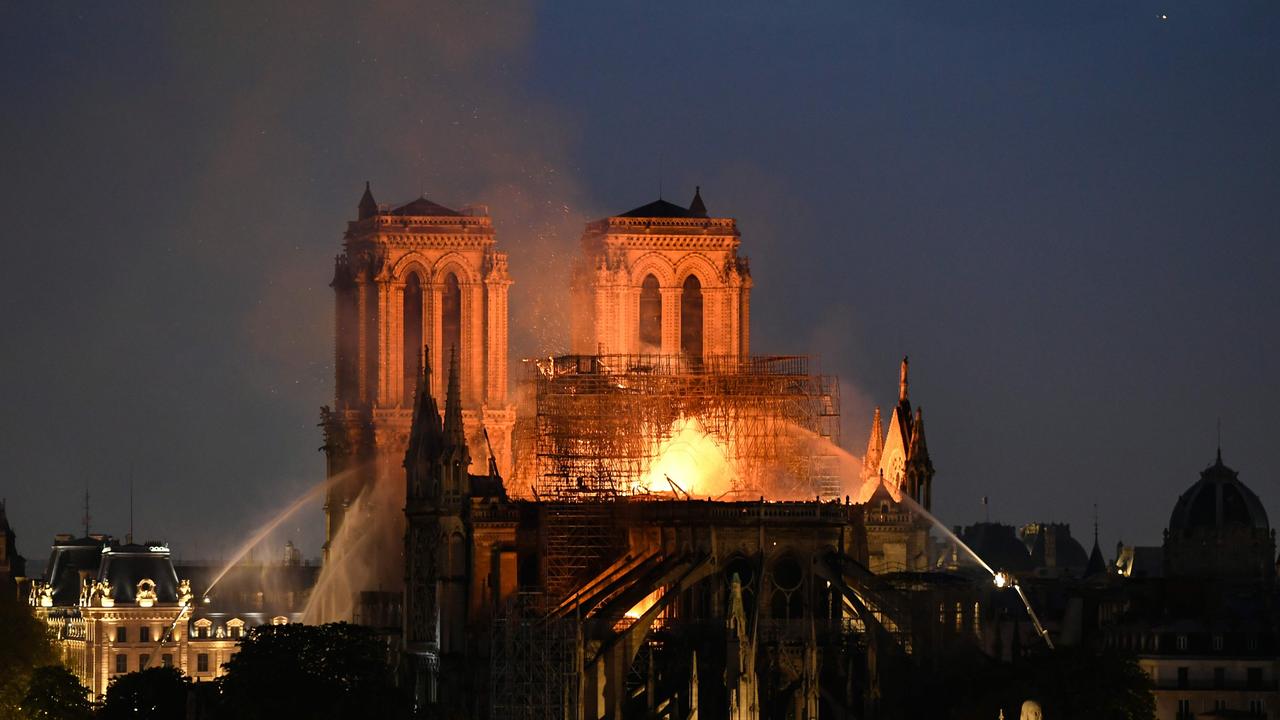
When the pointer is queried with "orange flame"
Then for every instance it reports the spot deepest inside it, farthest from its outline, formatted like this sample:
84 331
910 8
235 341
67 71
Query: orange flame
696 461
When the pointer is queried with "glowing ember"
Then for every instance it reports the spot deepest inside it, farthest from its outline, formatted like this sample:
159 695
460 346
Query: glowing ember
697 462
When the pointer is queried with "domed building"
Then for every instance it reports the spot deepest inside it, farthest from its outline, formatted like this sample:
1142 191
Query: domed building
1219 529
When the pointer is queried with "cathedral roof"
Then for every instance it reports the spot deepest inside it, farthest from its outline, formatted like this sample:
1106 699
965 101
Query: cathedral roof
663 209
422 207
1217 500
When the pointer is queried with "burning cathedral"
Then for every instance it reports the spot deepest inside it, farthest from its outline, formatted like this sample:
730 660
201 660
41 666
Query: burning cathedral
668 529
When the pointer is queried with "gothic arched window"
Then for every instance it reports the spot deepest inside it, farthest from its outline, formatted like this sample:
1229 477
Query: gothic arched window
412 336
451 319
650 315
691 318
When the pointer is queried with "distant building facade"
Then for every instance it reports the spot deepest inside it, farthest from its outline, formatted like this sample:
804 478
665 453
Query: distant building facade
1205 628
115 608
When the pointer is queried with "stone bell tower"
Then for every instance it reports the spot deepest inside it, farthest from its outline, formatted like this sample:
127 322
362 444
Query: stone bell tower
413 276
662 279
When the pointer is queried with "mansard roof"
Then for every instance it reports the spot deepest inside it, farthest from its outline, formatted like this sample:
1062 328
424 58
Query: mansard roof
69 558
124 566
422 207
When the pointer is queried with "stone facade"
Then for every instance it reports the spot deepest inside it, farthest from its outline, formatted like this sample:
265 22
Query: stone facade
412 276
662 279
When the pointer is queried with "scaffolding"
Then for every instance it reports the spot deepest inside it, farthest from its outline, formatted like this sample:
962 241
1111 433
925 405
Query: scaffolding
535 664
601 420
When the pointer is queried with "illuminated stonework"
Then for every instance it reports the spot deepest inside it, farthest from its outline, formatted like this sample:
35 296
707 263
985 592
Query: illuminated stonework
662 279
415 275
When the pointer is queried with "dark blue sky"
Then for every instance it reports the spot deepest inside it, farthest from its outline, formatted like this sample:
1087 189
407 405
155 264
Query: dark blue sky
1067 213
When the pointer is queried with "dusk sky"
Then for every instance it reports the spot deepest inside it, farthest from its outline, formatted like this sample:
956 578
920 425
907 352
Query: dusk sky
1066 213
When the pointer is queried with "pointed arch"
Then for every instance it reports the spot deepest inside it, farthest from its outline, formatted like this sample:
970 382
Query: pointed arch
691 318
650 318
451 314
411 335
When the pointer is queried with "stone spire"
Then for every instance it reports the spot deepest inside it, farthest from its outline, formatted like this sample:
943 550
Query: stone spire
426 438
453 429
697 207
368 206
875 447
902 381
919 470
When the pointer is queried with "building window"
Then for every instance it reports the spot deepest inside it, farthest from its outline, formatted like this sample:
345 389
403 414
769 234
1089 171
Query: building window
1255 707
166 660
650 315
1182 642
1219 705
1219 678
122 634
412 336
144 634
691 318
1184 710
143 661
451 317
202 662
1253 678
1183 680
122 663
1217 642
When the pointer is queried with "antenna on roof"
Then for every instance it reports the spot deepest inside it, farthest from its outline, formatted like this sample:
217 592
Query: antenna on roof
129 540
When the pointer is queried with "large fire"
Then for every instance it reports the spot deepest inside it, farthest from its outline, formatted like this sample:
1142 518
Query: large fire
694 461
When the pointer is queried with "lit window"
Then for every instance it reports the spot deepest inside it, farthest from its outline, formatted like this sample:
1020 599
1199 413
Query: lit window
202 662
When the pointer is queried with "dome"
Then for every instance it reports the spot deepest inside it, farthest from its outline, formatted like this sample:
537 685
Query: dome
1218 500
998 545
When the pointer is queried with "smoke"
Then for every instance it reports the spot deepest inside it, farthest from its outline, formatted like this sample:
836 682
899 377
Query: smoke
287 114
366 554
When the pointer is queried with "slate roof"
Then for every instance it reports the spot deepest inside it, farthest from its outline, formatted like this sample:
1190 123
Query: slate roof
425 208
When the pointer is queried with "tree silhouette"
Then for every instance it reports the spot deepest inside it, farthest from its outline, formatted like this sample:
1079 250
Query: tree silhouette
158 693
302 672
54 693
24 646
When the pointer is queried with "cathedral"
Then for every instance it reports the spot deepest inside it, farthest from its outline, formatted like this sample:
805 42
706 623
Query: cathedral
612 593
